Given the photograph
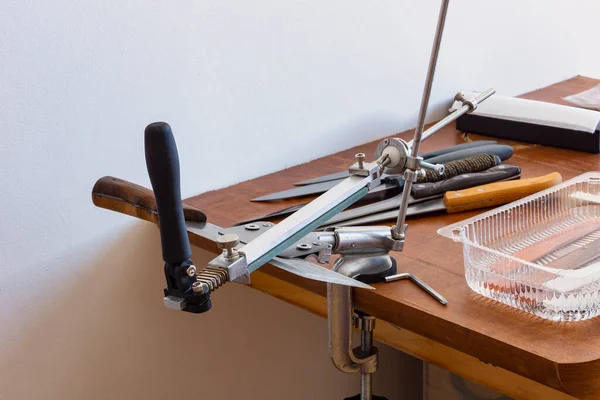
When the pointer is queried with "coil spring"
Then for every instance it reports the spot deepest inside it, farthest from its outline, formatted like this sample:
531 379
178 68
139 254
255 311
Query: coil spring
210 279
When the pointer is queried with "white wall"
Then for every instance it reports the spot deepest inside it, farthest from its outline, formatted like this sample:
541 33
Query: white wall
273 84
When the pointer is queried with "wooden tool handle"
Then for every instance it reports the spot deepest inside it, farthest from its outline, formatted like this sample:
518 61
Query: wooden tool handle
128 198
495 194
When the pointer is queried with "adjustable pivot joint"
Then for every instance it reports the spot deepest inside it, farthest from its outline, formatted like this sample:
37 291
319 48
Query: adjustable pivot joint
373 169
474 102
180 294
231 265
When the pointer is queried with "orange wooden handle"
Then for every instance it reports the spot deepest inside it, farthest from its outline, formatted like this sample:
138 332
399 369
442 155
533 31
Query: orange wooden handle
128 198
495 194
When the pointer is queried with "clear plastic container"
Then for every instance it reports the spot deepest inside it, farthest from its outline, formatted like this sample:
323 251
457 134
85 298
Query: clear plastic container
540 254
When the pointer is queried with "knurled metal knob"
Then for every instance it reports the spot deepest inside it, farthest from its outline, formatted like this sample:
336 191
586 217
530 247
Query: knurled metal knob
228 242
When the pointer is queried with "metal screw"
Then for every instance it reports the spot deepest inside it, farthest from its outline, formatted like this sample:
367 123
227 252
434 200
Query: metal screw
360 158
303 246
200 287
191 271
460 96
228 243
252 227
439 168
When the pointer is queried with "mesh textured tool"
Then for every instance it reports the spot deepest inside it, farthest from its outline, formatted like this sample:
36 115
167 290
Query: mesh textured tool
477 163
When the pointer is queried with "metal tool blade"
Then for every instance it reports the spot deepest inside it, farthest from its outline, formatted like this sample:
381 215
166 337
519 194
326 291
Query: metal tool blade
325 178
475 198
420 192
435 153
274 214
298 267
309 270
431 190
413 209
317 189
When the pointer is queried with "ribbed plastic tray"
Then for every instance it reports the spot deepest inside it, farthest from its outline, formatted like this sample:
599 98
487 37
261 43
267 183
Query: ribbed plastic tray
540 254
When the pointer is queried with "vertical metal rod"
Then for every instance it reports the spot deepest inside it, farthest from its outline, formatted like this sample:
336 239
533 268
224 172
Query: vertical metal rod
366 382
430 74
366 341
398 232
366 387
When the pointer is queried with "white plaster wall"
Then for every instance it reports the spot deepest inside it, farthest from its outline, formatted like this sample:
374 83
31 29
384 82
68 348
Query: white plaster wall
249 87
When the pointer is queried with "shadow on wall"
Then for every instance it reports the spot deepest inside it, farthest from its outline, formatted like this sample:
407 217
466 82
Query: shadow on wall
107 336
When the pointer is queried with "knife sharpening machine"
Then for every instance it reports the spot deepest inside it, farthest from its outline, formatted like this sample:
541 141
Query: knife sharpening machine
363 251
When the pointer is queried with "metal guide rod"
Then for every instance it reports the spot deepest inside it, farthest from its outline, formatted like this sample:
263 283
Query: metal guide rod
398 231
429 79
467 107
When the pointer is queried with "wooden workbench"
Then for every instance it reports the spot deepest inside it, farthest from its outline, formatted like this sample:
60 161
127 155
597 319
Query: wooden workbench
482 340
517 354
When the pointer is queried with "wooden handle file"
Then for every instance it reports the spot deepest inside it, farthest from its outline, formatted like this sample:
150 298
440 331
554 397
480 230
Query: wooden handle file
128 198
495 194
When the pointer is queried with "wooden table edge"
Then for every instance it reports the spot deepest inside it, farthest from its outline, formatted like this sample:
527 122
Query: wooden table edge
455 361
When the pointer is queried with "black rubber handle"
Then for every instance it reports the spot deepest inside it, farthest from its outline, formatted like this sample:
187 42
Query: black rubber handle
503 151
162 161
465 181
462 146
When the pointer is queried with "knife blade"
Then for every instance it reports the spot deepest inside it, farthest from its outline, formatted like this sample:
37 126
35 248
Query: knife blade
435 153
502 151
315 272
322 187
128 198
428 191
420 192
490 195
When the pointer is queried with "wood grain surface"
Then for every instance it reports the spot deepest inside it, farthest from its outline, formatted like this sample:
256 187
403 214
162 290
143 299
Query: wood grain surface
564 356
498 193
135 200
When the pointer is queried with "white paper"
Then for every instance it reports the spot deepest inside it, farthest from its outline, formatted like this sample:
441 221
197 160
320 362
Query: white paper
535 112
589 99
